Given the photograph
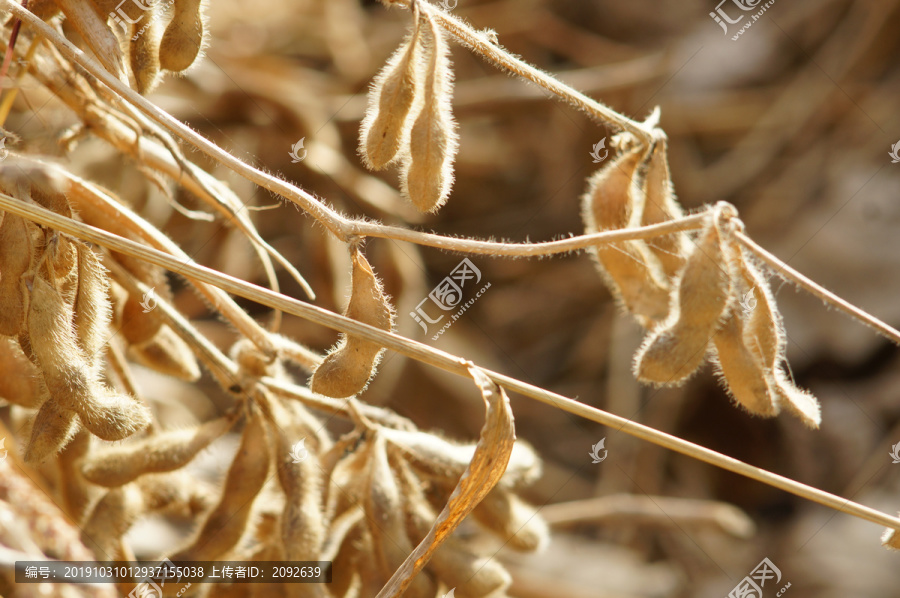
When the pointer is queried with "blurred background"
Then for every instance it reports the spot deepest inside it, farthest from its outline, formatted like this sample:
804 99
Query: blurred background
792 122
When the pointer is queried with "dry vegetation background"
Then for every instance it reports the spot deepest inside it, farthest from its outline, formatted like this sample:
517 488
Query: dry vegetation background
791 123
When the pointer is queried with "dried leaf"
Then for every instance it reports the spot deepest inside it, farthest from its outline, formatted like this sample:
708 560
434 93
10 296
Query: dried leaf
488 464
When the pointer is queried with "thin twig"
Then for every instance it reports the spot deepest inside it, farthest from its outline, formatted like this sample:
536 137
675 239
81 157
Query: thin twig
481 45
782 269
437 358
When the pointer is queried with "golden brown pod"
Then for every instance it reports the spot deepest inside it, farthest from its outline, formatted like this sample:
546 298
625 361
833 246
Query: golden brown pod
183 38
352 362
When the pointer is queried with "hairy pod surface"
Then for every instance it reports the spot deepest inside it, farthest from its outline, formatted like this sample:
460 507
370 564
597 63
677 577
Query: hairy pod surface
183 39
349 366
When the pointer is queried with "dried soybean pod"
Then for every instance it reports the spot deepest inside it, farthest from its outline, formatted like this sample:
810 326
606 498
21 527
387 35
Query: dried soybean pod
302 525
629 269
384 506
436 457
797 401
660 206
20 382
349 366
110 520
168 354
69 377
144 54
166 451
92 306
137 326
516 522
76 492
16 253
472 575
183 38
701 296
227 522
391 98
426 174
53 427
176 492
744 376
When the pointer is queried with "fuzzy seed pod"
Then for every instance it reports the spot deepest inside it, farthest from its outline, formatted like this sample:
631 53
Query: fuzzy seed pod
384 506
137 326
20 382
144 53
701 296
183 38
52 429
349 366
15 260
168 354
744 376
110 520
438 458
303 529
631 271
175 492
70 378
472 575
391 98
227 522
514 521
427 172
92 306
659 205
797 401
77 494
165 451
